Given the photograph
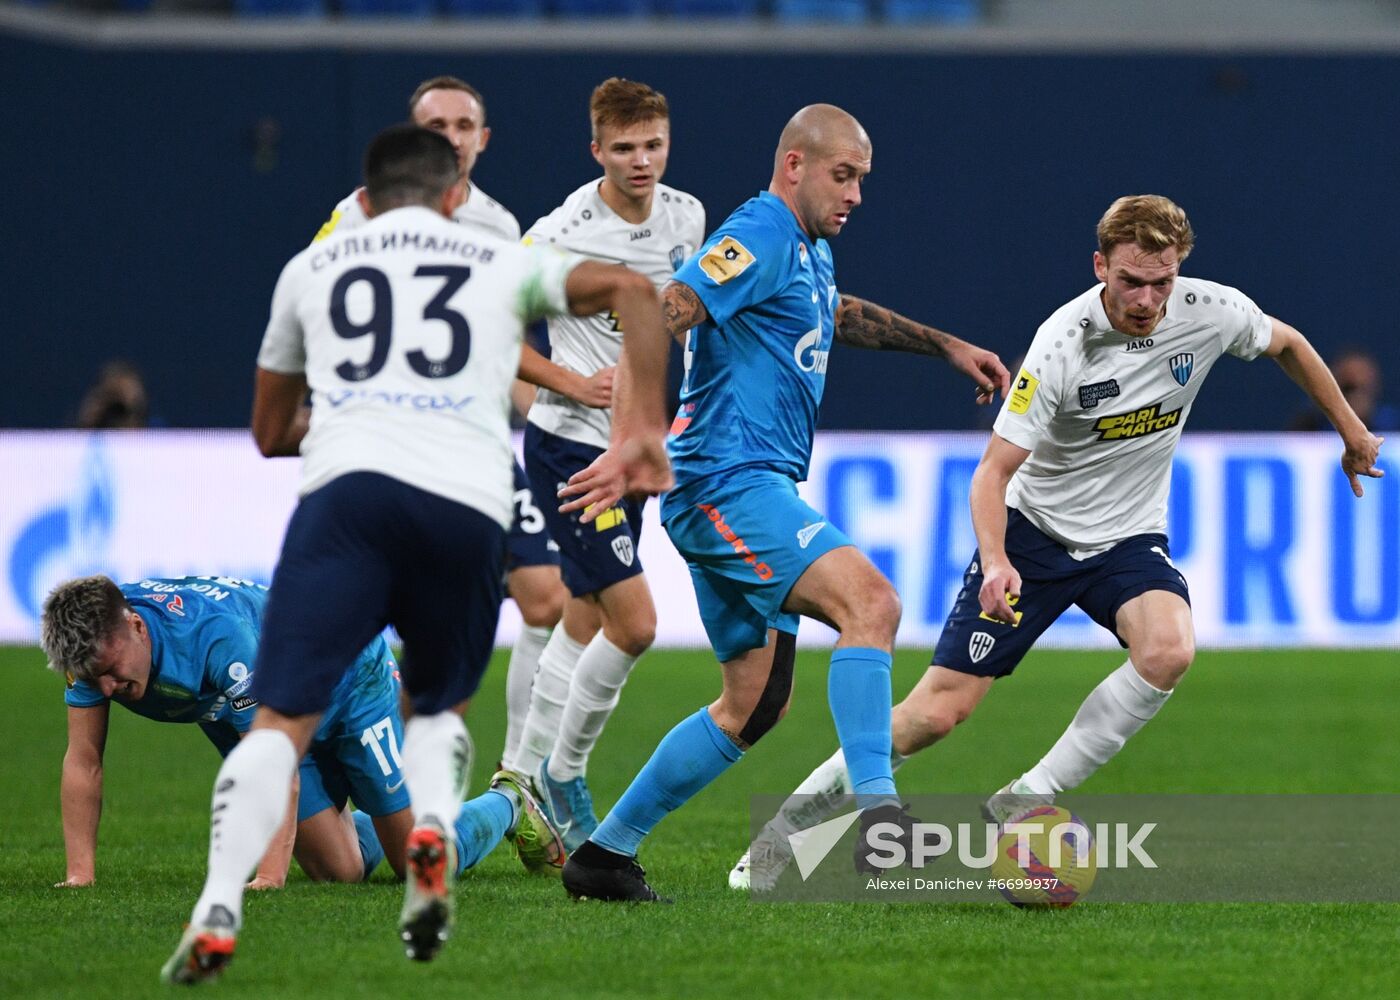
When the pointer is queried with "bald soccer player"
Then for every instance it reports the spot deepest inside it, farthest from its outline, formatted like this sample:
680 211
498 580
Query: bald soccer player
761 298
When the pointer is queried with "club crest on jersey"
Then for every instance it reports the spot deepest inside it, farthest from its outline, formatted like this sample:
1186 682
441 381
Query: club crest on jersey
980 645
1181 365
1096 392
677 257
622 548
725 260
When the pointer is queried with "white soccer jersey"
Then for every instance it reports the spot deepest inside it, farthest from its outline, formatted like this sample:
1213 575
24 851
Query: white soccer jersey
1101 412
585 225
408 329
480 210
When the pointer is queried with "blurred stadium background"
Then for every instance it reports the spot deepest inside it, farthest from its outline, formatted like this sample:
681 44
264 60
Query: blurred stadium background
164 160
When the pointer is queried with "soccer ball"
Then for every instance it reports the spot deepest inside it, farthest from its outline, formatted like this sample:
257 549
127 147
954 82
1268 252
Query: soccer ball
1047 862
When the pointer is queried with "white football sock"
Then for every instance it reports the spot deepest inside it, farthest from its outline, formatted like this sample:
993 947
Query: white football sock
823 793
437 761
547 700
1115 710
593 694
250 801
520 678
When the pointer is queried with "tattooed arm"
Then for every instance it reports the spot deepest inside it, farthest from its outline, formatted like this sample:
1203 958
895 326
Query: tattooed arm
864 324
681 309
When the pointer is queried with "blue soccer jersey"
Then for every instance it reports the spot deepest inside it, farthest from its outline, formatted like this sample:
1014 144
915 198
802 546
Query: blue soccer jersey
756 368
204 641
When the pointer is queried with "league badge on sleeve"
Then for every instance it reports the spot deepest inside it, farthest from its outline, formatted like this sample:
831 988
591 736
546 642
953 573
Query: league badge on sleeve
725 260
1023 392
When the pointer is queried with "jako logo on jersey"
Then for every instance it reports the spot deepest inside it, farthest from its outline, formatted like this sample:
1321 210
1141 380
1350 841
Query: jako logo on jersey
980 645
805 536
764 571
807 356
1181 365
640 234
1095 392
1140 344
1148 420
622 548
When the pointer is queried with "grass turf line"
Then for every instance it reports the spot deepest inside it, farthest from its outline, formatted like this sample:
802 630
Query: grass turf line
1243 722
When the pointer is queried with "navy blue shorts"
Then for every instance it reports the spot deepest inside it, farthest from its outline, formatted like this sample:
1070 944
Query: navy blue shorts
592 556
528 543
1051 580
365 551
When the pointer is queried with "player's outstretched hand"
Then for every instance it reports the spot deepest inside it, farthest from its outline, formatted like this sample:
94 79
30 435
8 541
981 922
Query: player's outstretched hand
1359 459
983 367
637 466
75 882
263 882
597 390
1001 586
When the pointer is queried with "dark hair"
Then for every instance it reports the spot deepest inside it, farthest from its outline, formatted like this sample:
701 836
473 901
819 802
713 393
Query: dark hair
446 83
408 165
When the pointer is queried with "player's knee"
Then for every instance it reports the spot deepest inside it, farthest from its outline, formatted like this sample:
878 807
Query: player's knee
634 633
876 608
322 869
1163 662
772 703
542 607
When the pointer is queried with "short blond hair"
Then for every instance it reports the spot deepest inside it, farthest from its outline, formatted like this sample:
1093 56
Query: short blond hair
79 617
1151 221
619 103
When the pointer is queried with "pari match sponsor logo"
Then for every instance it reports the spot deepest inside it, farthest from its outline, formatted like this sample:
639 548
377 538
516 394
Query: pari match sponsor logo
1148 420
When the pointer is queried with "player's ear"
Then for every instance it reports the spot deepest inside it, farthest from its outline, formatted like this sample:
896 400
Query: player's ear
453 198
362 196
1100 267
597 151
483 136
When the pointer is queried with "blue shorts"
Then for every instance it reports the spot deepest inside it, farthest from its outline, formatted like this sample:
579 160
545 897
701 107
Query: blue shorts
365 551
1051 580
746 539
354 755
592 556
528 543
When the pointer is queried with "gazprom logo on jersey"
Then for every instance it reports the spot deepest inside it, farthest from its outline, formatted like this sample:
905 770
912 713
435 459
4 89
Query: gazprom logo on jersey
808 355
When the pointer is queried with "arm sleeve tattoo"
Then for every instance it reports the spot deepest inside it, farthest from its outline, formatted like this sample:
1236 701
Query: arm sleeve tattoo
864 324
681 309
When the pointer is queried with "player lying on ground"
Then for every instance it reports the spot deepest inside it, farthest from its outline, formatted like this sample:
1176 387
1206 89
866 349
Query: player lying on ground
761 296
1069 504
610 620
183 650
407 333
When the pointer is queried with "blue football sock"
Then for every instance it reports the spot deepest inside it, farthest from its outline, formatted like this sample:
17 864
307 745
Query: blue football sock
858 689
481 824
691 756
370 849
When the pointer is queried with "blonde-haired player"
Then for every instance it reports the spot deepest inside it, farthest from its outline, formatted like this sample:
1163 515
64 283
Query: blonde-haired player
1069 505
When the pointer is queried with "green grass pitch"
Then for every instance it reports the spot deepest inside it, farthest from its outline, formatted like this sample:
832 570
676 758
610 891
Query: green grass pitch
1319 721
